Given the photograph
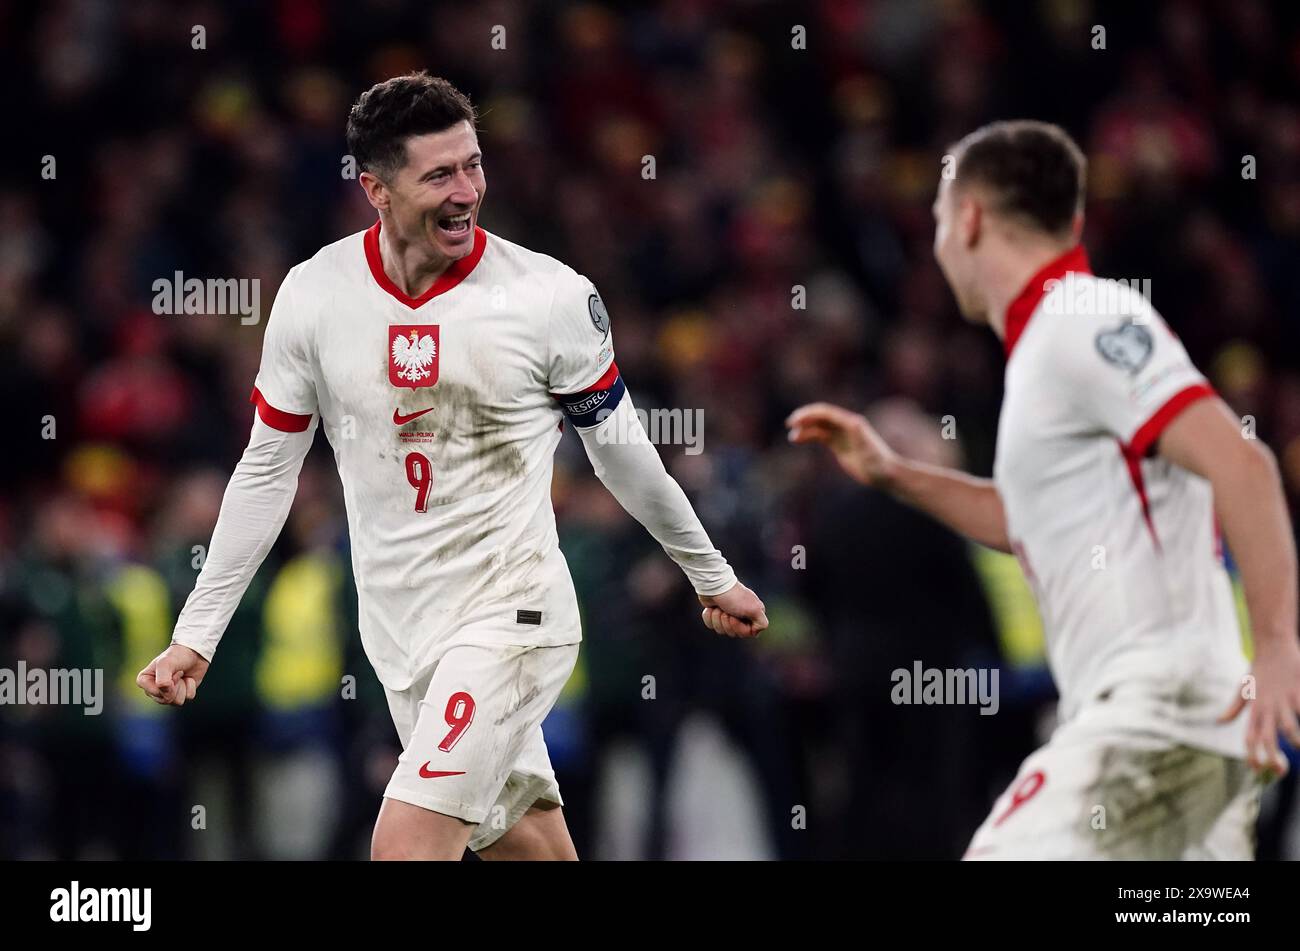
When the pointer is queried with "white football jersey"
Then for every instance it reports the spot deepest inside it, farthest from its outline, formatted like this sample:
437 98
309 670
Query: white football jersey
1121 547
441 414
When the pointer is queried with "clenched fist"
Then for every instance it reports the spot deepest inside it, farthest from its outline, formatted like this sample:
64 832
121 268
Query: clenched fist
173 676
737 612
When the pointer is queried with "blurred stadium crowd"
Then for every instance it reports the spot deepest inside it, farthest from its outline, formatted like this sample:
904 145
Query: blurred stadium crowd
774 167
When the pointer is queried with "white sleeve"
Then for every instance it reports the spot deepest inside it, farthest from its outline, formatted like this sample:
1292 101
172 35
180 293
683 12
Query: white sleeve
580 341
1129 374
629 465
286 379
253 511
263 485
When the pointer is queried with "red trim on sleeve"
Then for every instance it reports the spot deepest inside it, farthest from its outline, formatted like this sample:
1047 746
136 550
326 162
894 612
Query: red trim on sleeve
1150 431
278 418
1026 302
1140 487
456 272
1146 436
605 382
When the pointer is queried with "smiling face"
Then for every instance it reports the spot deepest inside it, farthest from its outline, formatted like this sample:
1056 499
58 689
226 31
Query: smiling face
433 199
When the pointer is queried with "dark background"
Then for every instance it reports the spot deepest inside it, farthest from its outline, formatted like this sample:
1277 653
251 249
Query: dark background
775 167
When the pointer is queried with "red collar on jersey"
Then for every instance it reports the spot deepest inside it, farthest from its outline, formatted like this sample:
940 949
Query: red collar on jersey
448 279
1022 308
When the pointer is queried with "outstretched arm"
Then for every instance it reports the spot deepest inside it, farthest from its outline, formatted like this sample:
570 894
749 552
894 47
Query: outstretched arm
581 350
629 465
253 511
256 503
968 505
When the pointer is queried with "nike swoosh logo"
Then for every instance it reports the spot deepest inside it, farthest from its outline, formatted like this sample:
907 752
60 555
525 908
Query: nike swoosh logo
399 419
427 773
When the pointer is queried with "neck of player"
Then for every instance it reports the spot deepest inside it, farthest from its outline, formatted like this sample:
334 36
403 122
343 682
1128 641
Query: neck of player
412 267
1008 268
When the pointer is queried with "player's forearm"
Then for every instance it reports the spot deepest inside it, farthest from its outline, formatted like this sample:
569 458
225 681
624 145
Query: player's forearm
1253 515
966 504
629 465
255 506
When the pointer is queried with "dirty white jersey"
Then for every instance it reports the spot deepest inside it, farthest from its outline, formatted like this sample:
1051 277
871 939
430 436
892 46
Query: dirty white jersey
441 414
1121 547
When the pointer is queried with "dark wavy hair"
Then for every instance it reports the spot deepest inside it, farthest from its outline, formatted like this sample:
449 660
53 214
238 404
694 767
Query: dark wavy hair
389 113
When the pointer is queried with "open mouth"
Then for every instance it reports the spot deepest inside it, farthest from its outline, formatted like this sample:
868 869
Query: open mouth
457 226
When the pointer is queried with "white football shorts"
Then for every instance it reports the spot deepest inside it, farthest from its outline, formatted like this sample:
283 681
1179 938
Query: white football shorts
1113 785
471 732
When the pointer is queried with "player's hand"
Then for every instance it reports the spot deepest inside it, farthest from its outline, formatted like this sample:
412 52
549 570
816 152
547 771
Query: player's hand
737 612
1273 710
173 676
857 446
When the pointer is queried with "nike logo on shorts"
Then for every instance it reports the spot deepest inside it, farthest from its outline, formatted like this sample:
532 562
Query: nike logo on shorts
427 773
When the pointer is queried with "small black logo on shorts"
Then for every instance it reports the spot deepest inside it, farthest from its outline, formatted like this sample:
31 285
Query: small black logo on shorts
528 617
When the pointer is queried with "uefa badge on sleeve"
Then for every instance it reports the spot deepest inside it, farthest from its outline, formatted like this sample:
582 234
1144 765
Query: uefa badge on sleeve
1128 346
413 355
599 315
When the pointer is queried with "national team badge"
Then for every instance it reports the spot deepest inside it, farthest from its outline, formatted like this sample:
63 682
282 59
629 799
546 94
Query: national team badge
413 355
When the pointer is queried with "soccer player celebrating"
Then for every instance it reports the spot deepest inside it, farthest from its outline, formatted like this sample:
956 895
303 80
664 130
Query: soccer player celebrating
1116 465
442 361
